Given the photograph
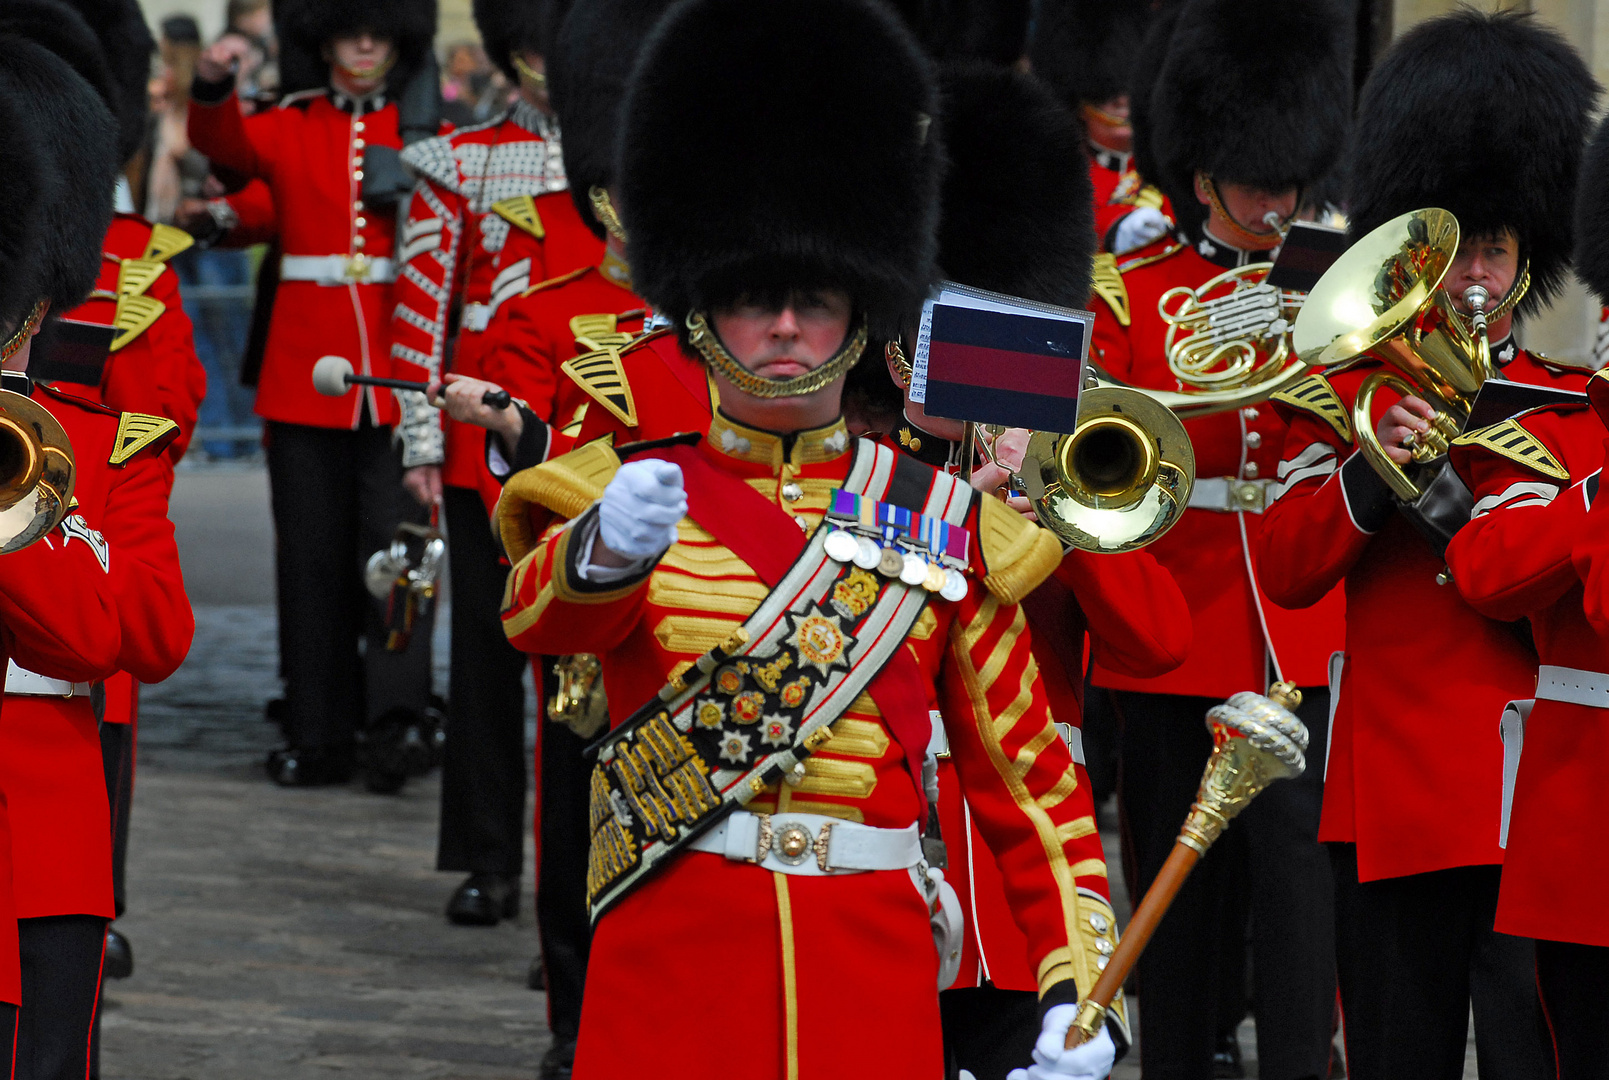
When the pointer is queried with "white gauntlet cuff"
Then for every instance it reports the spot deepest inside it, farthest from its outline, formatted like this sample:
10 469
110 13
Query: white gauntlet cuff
419 431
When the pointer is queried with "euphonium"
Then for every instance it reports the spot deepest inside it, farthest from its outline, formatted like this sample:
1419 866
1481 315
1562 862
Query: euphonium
36 472
1123 476
1383 300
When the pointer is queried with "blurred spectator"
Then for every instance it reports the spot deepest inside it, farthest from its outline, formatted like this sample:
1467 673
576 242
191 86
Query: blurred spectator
215 284
472 90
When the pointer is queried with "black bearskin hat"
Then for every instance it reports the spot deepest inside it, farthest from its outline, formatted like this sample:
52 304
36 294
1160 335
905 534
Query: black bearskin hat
1146 65
1084 49
23 187
64 32
1254 92
587 74
70 137
1592 215
746 168
994 30
1018 215
506 26
308 25
128 45
1485 116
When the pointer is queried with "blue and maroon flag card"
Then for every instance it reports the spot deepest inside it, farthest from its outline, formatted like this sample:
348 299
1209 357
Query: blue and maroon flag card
998 359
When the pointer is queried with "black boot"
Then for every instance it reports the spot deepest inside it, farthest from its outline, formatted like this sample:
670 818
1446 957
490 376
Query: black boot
484 900
1226 1063
118 962
293 767
558 1062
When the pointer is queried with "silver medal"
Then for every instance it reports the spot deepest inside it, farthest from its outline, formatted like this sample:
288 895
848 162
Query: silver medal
955 586
867 553
914 572
841 546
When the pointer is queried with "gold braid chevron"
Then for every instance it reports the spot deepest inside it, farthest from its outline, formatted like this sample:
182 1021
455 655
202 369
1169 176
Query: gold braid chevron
1315 395
1508 439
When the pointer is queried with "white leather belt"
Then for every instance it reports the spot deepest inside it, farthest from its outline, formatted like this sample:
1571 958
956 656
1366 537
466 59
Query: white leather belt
476 317
19 680
1572 685
1227 494
337 269
811 844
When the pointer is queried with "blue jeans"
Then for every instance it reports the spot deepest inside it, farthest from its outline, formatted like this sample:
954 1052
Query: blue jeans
221 324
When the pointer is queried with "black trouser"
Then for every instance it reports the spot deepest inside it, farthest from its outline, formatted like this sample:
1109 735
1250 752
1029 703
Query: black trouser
1267 866
483 768
561 883
337 498
61 986
1574 980
1415 954
117 757
988 1031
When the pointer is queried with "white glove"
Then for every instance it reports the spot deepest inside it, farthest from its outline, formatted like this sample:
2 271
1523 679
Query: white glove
639 510
1145 225
1053 1061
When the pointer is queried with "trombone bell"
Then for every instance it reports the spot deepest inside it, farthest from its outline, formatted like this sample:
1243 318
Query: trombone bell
1120 480
36 472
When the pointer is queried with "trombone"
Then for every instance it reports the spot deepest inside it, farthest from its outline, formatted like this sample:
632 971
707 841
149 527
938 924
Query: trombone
36 472
1383 300
1123 476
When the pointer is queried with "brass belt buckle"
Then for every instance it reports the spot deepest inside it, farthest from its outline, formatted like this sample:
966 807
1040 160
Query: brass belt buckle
358 268
793 844
1247 495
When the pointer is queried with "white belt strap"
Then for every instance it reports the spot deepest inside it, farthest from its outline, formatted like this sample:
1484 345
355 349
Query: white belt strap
1572 685
1512 728
476 317
21 681
1228 494
812 845
337 269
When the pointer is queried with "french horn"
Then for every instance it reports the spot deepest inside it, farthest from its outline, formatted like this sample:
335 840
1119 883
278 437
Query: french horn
1383 300
1123 476
36 472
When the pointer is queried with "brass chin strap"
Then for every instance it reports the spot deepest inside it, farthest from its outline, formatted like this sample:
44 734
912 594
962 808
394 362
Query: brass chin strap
528 73
376 73
1516 293
894 353
1243 236
603 208
1102 117
703 338
17 340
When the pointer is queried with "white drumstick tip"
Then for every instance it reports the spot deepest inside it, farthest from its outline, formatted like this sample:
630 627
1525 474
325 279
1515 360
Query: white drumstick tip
330 375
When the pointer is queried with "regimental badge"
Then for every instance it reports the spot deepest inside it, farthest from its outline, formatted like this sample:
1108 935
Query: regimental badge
820 640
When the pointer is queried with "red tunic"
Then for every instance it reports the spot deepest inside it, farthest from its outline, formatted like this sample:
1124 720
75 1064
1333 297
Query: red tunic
50 753
1532 543
479 188
157 371
1207 551
1406 780
854 949
310 153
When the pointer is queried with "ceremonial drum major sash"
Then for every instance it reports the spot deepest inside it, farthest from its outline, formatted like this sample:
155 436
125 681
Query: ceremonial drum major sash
749 712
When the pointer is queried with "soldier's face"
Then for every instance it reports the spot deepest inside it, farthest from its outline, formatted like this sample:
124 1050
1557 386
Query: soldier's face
1250 207
780 341
1107 124
361 57
1491 261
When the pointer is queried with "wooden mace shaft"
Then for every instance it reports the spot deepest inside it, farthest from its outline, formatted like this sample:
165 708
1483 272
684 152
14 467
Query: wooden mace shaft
1158 898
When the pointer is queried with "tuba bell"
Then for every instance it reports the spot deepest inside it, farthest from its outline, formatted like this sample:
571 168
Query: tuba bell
1123 476
1383 300
36 472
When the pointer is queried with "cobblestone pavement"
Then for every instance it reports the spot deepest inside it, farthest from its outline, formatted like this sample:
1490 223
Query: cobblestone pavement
282 934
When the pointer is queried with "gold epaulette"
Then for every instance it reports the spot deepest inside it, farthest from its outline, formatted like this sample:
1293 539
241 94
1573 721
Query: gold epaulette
1107 284
135 315
565 487
1507 438
602 375
520 212
600 331
166 242
1017 554
553 282
137 432
1314 394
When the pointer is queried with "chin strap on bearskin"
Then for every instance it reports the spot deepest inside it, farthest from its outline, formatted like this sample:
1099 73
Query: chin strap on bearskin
701 336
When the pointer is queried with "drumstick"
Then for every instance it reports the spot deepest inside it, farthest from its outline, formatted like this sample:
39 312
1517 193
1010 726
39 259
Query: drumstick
333 376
